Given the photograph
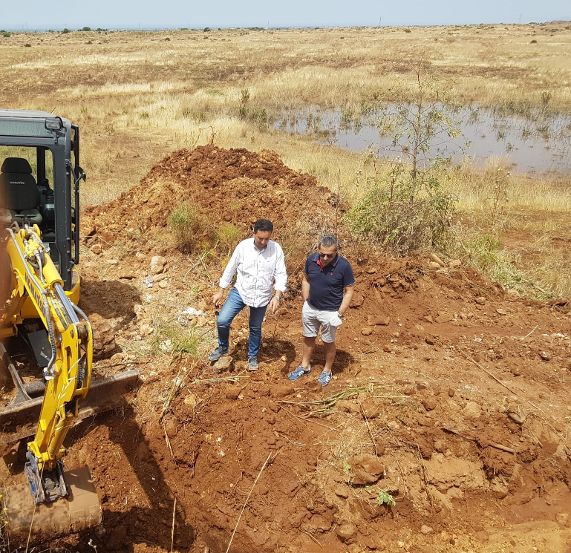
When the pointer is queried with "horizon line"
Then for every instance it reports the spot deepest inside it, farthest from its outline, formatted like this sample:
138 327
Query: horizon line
87 28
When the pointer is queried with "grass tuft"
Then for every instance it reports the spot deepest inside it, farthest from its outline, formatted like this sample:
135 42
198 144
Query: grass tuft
191 229
170 338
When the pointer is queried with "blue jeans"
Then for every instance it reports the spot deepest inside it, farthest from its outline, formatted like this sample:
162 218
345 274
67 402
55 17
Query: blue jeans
232 306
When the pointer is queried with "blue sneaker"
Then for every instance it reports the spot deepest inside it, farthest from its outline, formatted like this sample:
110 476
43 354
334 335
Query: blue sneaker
253 364
217 354
298 372
324 378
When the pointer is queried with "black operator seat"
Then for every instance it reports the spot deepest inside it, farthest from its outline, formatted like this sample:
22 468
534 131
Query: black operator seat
19 193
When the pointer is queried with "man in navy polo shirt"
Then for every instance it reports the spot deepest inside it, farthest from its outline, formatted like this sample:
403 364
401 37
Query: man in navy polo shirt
327 289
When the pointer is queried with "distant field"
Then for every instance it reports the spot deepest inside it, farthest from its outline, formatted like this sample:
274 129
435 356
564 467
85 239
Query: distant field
139 95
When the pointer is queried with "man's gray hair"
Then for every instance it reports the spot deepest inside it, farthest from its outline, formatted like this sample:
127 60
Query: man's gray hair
328 240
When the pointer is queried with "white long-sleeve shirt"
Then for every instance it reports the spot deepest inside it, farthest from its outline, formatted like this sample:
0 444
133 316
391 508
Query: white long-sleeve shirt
256 271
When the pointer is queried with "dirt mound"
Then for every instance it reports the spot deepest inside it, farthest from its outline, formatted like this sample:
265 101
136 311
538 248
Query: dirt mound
445 424
234 185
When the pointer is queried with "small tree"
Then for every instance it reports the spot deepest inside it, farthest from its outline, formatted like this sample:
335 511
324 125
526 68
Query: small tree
420 126
408 208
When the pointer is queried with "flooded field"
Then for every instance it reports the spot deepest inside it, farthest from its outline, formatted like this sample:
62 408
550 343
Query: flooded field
539 143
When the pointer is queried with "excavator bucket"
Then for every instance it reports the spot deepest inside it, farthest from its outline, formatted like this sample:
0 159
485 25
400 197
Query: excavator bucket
20 411
27 522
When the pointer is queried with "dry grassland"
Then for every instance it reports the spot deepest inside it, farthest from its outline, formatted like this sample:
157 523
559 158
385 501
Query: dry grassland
140 95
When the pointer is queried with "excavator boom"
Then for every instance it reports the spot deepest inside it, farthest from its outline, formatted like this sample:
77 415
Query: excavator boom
67 378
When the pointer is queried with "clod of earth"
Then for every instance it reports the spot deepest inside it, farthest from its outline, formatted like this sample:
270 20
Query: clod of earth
366 469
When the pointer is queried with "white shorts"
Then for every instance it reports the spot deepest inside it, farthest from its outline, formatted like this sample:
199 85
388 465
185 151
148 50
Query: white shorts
315 320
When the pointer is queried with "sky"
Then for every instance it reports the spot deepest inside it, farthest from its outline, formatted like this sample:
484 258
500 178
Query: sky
153 14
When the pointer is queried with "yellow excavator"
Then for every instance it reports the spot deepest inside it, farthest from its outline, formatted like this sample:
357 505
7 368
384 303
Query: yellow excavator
46 348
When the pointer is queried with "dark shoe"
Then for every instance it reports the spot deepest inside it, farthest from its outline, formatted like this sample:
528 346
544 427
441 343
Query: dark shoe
253 364
298 372
217 354
324 378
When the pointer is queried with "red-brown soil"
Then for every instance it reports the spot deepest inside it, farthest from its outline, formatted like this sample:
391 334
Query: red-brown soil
450 395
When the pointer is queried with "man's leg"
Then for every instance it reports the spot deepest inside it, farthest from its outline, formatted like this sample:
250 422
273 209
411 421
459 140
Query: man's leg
330 350
232 306
255 339
328 333
308 347
310 326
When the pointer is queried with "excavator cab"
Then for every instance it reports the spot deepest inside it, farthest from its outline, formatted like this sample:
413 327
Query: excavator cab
46 347
39 181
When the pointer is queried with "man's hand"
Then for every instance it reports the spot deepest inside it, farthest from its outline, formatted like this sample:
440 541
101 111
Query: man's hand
274 304
217 298
336 320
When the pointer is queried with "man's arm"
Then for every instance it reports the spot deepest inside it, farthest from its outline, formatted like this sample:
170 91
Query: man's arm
305 288
280 279
347 296
348 286
227 277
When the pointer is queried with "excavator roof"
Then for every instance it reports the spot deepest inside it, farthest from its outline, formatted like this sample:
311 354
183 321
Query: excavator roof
24 113
30 123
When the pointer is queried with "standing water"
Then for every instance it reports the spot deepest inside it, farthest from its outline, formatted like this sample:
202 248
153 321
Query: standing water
540 143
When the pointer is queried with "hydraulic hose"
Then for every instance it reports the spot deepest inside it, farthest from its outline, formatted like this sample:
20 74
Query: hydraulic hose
48 372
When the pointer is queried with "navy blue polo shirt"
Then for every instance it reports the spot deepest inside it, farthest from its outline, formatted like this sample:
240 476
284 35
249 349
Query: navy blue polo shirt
327 283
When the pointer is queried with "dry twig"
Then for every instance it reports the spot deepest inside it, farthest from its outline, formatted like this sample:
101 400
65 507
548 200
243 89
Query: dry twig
313 538
172 527
369 428
218 379
474 439
168 443
247 499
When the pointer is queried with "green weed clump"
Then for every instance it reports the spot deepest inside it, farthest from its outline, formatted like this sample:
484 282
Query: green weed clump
227 236
190 228
259 116
485 252
175 339
403 213
385 498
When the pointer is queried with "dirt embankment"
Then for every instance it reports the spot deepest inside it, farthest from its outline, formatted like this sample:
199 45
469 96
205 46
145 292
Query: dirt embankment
450 396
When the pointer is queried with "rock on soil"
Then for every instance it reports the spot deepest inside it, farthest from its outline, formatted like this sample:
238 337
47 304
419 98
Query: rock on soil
366 469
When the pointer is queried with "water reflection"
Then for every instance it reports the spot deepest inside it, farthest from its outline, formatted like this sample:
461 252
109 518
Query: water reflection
538 143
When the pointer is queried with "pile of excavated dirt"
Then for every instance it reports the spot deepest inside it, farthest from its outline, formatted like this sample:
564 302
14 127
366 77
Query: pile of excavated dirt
236 186
446 427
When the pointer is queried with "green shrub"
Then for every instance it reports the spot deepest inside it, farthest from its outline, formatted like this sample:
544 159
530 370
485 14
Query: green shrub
176 339
385 498
227 236
191 228
486 253
244 99
404 214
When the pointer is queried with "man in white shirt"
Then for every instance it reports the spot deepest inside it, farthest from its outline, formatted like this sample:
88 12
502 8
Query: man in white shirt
261 279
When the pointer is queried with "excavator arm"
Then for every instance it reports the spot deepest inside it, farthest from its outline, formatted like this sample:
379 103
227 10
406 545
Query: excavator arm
68 373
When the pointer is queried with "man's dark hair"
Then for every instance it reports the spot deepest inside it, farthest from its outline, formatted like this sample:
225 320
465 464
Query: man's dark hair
263 225
329 240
